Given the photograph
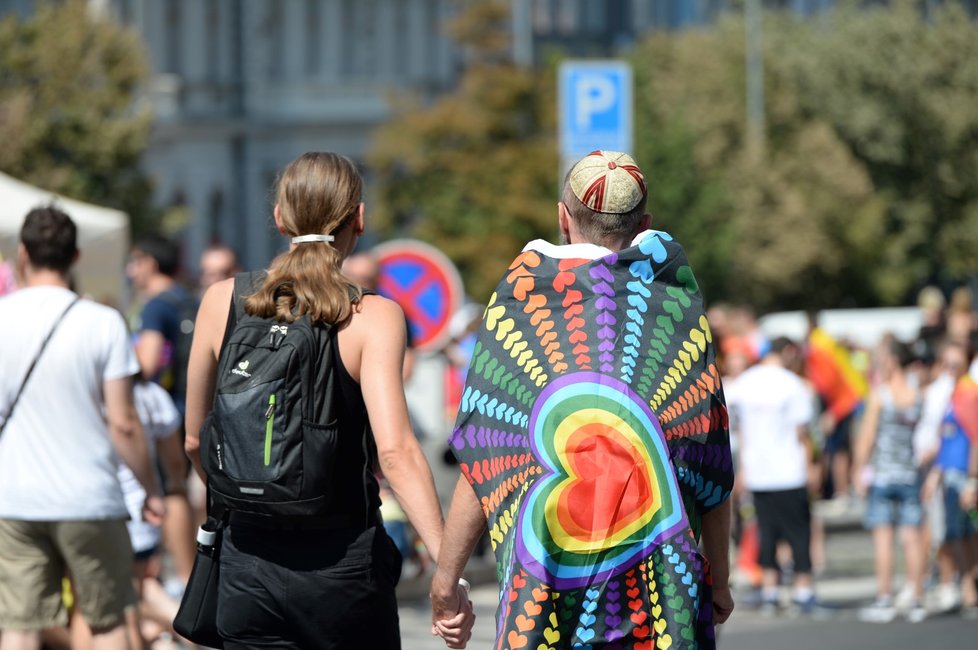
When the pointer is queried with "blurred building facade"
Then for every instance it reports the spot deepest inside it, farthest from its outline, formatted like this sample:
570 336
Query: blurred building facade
241 87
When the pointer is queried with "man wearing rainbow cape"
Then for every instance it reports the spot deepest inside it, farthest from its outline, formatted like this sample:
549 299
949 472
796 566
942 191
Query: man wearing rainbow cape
592 434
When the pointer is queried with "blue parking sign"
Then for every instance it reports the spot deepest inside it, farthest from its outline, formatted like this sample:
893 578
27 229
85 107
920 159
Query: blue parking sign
595 107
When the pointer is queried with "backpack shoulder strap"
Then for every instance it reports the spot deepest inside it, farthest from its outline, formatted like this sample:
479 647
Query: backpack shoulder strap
245 284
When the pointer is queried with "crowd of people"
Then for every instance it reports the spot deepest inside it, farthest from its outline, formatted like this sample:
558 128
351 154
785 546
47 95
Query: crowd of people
96 553
890 430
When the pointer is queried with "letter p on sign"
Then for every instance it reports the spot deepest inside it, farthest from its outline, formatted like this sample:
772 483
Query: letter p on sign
596 96
594 107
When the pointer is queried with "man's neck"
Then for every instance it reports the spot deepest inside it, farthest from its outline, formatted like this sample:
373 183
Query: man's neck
613 244
158 284
772 359
45 278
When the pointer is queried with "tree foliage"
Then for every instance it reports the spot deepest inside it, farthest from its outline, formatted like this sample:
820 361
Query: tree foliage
768 230
67 116
866 186
900 88
475 172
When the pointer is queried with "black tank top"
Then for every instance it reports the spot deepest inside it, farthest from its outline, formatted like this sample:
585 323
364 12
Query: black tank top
356 492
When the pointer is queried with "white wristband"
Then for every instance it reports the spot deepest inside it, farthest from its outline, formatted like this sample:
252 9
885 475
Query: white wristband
464 584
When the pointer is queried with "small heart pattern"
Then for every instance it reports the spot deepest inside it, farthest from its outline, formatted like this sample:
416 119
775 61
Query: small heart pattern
591 419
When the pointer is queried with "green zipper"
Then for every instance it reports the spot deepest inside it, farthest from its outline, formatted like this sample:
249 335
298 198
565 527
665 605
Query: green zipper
269 425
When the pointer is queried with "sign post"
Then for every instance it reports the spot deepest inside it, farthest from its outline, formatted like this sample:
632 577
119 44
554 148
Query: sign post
594 108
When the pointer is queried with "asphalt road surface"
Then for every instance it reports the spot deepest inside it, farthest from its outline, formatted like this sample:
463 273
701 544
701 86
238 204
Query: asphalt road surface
847 585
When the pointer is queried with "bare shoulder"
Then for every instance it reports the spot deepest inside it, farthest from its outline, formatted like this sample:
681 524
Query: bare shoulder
375 310
212 315
217 296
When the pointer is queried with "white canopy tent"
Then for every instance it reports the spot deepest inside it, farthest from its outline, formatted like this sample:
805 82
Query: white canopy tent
103 236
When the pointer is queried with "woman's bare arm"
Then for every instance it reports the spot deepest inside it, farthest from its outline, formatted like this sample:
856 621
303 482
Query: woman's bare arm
202 367
380 330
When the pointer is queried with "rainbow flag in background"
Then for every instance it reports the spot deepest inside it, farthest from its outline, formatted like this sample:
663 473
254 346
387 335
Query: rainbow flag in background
593 429
835 378
964 404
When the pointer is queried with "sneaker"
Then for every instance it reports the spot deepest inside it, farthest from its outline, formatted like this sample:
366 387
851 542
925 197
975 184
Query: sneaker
917 612
805 607
905 599
769 608
947 597
881 611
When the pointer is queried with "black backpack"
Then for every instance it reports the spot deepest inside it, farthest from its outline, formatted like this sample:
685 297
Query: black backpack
270 442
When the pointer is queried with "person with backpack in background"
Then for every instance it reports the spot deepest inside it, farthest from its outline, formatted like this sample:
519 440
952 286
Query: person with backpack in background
163 335
296 395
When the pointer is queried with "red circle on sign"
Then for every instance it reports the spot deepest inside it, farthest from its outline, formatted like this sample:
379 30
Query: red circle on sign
427 286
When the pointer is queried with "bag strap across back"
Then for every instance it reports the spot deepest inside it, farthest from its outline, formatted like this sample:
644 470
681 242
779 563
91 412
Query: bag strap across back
30 369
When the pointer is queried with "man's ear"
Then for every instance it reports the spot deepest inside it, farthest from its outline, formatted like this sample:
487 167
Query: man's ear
563 220
22 258
645 223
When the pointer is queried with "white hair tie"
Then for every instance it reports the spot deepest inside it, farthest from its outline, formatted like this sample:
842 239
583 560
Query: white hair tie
305 239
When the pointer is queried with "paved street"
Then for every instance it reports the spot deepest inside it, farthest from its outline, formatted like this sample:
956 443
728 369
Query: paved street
846 585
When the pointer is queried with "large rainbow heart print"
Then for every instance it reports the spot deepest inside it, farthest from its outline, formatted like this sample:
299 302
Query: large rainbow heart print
608 496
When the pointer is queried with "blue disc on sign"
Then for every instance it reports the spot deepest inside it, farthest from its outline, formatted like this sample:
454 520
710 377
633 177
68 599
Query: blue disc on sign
427 286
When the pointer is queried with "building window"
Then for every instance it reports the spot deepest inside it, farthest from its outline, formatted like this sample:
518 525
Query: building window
273 33
314 37
543 17
359 39
174 20
215 213
212 40
568 16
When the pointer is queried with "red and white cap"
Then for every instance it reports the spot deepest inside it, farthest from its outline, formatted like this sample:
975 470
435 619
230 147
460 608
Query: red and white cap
608 181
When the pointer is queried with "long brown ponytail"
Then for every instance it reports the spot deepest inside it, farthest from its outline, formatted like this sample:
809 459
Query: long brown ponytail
318 193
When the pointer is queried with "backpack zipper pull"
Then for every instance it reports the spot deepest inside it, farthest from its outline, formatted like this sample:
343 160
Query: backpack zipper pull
269 426
277 334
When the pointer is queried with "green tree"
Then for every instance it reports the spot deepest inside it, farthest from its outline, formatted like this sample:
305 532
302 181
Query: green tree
760 230
866 185
900 88
68 119
475 172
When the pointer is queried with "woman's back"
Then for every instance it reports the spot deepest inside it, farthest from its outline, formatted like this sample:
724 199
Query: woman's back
893 458
288 583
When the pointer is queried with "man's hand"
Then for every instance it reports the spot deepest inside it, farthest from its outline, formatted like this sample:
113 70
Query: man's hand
154 509
452 616
826 422
969 494
723 603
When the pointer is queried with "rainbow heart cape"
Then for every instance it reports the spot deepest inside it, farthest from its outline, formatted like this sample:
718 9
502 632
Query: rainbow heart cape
593 430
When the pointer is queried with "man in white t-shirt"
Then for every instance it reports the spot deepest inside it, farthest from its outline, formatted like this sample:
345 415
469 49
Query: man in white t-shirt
62 509
769 408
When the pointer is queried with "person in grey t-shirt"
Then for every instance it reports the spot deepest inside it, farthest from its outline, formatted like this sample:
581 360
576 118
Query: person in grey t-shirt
885 467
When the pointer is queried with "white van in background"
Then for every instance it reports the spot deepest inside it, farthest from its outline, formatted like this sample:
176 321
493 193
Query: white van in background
860 327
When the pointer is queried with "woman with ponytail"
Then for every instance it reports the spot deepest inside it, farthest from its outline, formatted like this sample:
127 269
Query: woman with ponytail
307 587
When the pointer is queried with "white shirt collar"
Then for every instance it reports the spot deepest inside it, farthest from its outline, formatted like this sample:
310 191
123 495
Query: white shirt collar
577 251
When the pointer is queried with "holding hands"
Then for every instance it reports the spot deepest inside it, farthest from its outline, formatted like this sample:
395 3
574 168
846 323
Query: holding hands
452 616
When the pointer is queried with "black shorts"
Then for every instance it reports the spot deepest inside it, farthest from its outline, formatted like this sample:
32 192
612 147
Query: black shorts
785 515
841 438
331 589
